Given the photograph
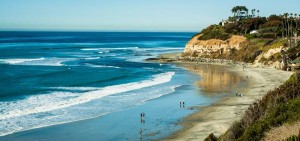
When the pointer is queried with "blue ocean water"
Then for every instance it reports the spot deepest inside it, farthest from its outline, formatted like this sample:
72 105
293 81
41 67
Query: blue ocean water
50 78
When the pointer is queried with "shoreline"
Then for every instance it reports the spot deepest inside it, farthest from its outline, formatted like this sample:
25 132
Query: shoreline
218 117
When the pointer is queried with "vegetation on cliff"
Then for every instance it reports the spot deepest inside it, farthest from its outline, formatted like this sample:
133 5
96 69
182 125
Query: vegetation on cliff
255 47
274 109
214 32
263 34
242 23
270 27
270 39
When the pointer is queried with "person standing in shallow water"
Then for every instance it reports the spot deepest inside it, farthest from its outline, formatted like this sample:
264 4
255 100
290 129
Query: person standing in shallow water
142 117
181 104
141 134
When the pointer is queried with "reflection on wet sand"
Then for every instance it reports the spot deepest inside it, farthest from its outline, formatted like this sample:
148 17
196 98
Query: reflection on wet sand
215 78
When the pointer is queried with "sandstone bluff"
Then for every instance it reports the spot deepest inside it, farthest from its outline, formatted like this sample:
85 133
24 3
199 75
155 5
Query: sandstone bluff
197 48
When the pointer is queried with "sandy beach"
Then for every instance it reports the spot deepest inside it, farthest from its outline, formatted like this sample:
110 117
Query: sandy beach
218 117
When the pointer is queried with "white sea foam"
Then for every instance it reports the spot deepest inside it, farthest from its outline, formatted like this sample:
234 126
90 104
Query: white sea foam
89 49
104 66
119 48
75 88
92 58
54 101
89 110
94 108
19 60
36 61
100 66
148 68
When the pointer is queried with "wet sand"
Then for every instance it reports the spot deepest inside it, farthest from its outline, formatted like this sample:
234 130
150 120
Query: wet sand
218 117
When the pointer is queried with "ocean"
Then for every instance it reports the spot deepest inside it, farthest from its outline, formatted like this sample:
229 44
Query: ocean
92 86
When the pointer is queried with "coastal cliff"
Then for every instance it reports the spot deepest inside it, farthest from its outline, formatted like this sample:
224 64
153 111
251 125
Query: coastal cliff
261 42
260 52
198 48
265 108
254 123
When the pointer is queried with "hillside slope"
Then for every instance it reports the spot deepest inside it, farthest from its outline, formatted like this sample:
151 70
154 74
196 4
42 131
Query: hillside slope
278 107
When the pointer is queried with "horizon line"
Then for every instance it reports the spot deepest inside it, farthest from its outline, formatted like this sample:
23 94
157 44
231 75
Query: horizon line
58 30
93 31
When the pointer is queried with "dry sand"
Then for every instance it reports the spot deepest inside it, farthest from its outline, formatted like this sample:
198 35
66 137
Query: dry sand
283 132
217 118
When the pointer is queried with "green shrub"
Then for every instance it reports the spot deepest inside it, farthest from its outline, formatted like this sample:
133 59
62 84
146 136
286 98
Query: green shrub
246 54
251 36
276 108
263 60
284 113
268 35
232 28
273 44
214 32
292 138
275 57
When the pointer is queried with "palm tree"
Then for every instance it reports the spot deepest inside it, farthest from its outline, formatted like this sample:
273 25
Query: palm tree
253 12
257 13
291 24
298 19
286 24
291 29
296 30
283 25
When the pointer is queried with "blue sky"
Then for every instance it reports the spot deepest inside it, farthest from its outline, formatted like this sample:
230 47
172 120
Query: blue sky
127 15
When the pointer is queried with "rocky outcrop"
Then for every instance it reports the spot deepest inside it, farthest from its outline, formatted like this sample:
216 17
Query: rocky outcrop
272 51
208 47
273 64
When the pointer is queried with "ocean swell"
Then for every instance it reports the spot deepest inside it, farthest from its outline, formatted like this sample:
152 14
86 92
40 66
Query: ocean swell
74 98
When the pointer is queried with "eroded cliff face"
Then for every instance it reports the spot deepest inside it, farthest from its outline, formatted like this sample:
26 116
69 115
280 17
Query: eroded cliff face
267 55
197 47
